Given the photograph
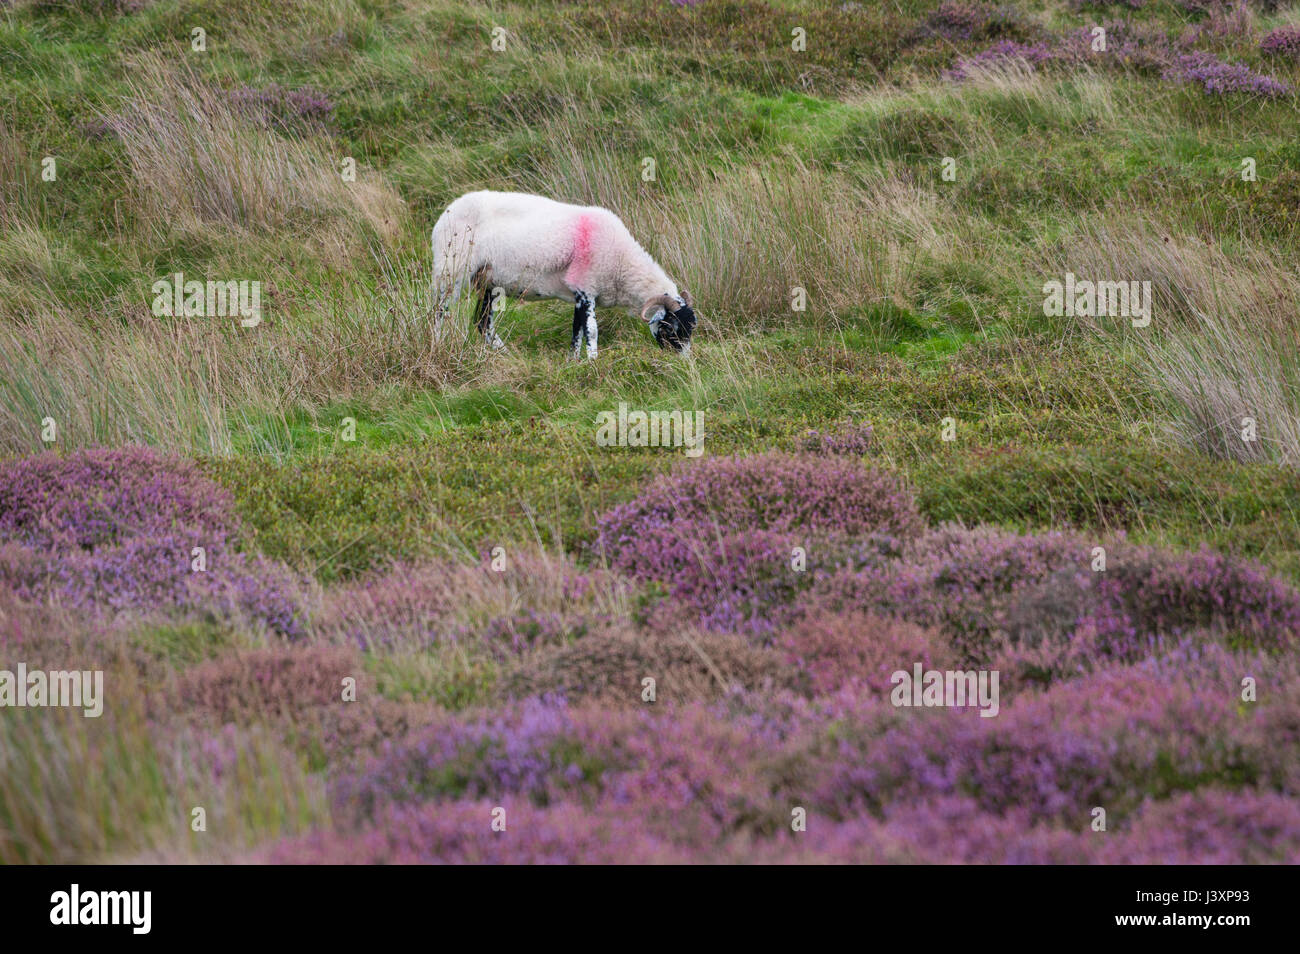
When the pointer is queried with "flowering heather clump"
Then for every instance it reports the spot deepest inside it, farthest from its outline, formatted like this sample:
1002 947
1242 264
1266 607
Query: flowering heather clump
1284 41
739 582
96 497
684 768
722 534
778 492
279 107
402 604
461 832
352 733
518 750
746 582
1033 54
944 830
1211 826
117 529
1146 596
1142 47
965 20
852 440
1217 77
1110 739
1032 588
1204 827
1016 788
952 578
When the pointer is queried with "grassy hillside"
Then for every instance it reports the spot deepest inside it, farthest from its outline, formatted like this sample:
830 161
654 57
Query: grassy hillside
774 170
866 223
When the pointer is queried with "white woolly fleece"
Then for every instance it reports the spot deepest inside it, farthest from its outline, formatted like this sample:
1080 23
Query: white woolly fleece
535 247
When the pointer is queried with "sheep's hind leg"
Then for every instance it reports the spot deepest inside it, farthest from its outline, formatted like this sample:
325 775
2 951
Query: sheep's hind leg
484 312
584 324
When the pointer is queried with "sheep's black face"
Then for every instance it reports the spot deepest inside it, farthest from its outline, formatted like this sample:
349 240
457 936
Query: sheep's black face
675 328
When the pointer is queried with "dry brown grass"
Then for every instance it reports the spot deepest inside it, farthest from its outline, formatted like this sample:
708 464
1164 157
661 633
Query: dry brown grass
1224 339
119 374
195 161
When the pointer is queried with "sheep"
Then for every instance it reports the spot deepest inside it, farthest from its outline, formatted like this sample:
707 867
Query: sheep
534 248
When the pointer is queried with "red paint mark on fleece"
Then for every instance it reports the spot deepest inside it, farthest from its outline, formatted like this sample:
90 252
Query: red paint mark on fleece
580 263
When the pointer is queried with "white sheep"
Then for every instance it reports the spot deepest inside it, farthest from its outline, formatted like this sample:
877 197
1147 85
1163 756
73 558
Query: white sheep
533 247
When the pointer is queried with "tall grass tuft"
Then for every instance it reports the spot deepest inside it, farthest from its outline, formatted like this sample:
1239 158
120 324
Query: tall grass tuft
195 159
1224 340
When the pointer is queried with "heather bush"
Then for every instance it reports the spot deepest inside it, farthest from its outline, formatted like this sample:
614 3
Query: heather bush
983 583
251 684
952 578
776 492
344 737
609 668
97 497
1140 47
967 20
944 830
1111 739
284 109
837 650
1216 77
461 832
1146 592
116 530
999 54
846 440
1284 42
749 582
723 536
1207 827
1204 827
518 750
683 771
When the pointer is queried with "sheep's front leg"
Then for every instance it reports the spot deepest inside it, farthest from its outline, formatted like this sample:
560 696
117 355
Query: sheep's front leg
584 324
487 325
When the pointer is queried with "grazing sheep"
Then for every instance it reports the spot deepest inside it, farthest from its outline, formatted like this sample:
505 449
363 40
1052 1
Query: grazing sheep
533 247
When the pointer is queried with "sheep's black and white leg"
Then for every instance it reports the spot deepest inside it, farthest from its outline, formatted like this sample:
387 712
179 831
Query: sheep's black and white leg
485 315
584 324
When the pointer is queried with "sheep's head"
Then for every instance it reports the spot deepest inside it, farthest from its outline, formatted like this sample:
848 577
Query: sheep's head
672 321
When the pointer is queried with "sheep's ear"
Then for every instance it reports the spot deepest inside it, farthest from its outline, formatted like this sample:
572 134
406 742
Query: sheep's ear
686 297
